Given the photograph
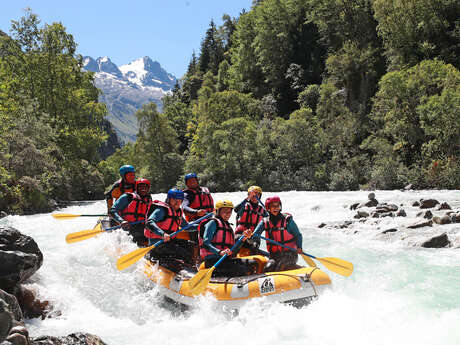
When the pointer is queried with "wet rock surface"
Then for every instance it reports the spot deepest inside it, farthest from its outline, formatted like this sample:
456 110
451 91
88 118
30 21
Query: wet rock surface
20 258
424 216
71 339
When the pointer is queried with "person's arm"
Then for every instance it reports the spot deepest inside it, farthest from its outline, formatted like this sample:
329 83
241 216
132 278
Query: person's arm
294 231
240 208
187 202
157 216
119 206
209 233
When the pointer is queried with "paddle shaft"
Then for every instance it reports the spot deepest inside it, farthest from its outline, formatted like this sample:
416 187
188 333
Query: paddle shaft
282 245
233 248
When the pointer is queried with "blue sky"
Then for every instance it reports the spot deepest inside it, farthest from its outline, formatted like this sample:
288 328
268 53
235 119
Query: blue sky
167 31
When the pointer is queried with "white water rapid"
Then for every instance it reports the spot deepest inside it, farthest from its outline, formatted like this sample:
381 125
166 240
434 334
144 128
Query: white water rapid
399 292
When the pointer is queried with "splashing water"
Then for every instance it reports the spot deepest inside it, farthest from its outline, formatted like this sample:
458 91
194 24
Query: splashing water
398 294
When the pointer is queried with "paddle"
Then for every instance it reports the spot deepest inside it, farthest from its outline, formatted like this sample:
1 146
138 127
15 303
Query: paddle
200 280
85 234
338 266
131 258
62 216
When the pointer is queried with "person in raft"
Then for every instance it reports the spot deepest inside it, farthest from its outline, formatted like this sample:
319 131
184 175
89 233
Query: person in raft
249 213
217 238
164 218
281 228
198 200
132 207
127 184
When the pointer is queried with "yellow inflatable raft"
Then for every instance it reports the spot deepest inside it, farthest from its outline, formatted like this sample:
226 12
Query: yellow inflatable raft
297 287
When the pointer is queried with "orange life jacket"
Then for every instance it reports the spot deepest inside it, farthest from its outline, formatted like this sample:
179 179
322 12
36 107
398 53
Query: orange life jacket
202 200
250 218
170 224
223 238
136 209
278 232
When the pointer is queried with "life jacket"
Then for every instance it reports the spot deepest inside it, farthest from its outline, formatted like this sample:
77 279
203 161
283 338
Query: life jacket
118 189
278 232
201 199
170 224
223 238
136 209
250 218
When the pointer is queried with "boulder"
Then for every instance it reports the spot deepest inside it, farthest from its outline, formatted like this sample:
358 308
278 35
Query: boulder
11 318
20 258
322 225
421 224
440 241
71 339
401 213
3 214
455 217
443 206
428 203
375 214
354 206
426 214
389 230
31 306
408 187
416 204
387 214
361 214
442 220
368 203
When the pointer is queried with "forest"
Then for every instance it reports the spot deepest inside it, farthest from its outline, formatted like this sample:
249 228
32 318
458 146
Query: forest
290 95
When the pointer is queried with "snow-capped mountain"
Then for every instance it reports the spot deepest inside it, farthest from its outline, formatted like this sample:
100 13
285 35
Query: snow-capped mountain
127 88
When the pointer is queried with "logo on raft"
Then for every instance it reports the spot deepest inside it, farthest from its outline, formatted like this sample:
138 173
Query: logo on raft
267 285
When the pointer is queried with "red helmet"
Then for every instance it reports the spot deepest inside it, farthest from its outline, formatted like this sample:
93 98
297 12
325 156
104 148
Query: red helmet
142 181
271 199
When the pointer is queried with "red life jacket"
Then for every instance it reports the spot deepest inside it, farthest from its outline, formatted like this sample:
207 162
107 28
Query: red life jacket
136 209
278 232
223 238
201 199
250 218
170 224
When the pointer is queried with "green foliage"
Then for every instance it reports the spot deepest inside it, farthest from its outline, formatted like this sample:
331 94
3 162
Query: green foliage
51 120
416 30
417 112
157 149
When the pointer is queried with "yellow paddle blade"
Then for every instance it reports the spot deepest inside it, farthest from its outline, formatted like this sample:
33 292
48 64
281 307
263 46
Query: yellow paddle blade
82 235
63 216
98 227
200 280
338 266
308 260
133 257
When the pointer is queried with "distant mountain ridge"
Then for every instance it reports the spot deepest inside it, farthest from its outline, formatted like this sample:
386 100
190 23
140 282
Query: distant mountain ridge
127 88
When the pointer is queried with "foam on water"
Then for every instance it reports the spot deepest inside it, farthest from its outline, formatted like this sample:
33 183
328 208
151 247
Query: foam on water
398 293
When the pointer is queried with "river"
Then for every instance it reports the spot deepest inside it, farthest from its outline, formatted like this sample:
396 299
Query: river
399 293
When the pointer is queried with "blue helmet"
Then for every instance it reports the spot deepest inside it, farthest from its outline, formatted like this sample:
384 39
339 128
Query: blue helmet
189 176
126 169
175 193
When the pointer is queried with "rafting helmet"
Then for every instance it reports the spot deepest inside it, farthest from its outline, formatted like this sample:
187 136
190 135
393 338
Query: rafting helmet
126 169
256 189
272 199
143 181
189 176
175 193
223 203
